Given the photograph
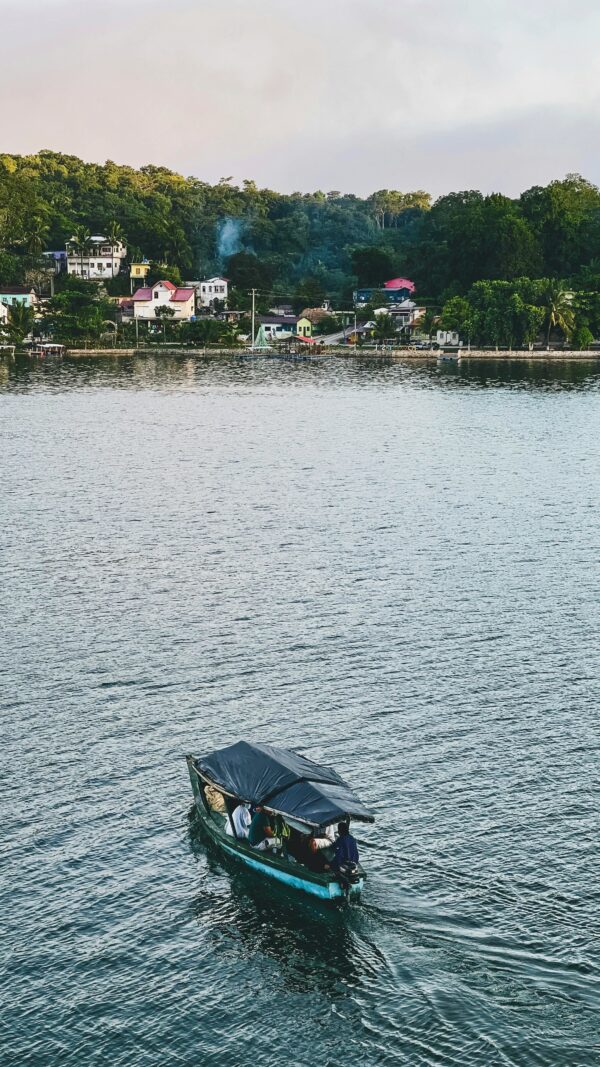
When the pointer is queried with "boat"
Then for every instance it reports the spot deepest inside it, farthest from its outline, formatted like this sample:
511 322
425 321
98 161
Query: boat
46 350
302 798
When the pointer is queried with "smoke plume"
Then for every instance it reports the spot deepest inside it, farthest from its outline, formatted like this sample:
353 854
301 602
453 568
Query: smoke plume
229 237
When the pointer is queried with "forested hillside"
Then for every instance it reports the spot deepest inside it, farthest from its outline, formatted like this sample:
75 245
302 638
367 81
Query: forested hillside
305 244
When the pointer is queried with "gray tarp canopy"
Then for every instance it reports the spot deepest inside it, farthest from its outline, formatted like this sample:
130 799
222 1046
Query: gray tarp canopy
283 781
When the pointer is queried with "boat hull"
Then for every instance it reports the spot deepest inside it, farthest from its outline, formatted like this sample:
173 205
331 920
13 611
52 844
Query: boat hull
323 885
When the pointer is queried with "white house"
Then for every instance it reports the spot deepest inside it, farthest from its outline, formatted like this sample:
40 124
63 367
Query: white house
100 259
182 302
3 315
406 313
212 289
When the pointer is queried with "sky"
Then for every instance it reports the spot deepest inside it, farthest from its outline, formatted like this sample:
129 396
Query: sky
353 95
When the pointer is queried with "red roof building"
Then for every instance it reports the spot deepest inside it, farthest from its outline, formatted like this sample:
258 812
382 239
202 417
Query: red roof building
148 300
400 283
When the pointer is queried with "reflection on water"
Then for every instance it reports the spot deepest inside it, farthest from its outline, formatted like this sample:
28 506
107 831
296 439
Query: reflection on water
393 565
178 371
311 942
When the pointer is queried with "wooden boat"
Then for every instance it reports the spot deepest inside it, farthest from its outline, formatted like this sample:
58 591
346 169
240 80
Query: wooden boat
303 799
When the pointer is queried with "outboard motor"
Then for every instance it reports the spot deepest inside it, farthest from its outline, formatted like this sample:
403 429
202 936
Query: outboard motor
348 875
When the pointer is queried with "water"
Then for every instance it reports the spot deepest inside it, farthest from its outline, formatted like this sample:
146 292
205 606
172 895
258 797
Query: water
395 567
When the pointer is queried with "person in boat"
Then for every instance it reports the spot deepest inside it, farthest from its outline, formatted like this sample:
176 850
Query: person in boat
241 820
345 849
260 832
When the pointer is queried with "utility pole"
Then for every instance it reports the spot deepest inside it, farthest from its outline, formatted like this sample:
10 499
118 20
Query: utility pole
137 331
253 294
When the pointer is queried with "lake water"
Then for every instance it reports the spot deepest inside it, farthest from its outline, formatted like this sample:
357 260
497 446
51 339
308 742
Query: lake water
396 567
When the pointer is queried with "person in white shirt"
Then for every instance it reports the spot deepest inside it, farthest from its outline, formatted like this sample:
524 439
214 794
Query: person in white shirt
241 821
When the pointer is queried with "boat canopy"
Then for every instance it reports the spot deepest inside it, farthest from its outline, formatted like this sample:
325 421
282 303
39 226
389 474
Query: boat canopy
283 781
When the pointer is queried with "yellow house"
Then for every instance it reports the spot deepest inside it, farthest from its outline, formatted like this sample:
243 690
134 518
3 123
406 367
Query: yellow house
304 327
138 273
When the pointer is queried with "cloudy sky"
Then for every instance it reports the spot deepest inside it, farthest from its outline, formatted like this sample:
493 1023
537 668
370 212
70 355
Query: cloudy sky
354 95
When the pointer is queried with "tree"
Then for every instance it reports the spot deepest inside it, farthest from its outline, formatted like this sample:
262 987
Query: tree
532 320
457 315
309 294
564 218
12 269
385 328
164 272
164 314
558 307
246 271
372 265
116 237
429 323
586 309
20 322
582 338
36 238
77 311
388 204
326 325
82 239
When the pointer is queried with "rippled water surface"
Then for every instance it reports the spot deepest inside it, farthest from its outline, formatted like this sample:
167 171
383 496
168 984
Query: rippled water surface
395 567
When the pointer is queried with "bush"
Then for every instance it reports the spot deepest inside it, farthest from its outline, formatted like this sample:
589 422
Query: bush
582 339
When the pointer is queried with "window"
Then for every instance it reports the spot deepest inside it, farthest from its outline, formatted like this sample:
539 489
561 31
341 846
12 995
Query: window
156 296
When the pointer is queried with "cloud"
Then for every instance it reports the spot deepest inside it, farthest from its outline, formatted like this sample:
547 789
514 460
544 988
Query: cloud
347 94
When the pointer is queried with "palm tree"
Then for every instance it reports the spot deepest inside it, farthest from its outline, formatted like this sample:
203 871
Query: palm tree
558 309
82 240
115 236
20 322
385 328
36 237
428 323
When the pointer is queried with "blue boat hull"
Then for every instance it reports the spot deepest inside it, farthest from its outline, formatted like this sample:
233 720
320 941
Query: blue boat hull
330 890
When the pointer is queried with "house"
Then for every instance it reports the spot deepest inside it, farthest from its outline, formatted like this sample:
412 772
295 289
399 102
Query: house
3 315
405 314
56 261
211 289
315 315
277 327
283 327
17 294
124 307
147 301
99 259
392 292
281 309
448 337
138 272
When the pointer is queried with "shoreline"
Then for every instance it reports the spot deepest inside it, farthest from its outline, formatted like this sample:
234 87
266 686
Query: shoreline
400 354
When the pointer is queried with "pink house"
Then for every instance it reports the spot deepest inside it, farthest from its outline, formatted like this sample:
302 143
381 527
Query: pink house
164 294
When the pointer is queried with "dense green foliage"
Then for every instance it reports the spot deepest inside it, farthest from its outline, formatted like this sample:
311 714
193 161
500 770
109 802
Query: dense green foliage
516 313
332 240
303 247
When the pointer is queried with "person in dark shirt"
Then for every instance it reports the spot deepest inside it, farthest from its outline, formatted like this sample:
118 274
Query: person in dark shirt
345 849
260 830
